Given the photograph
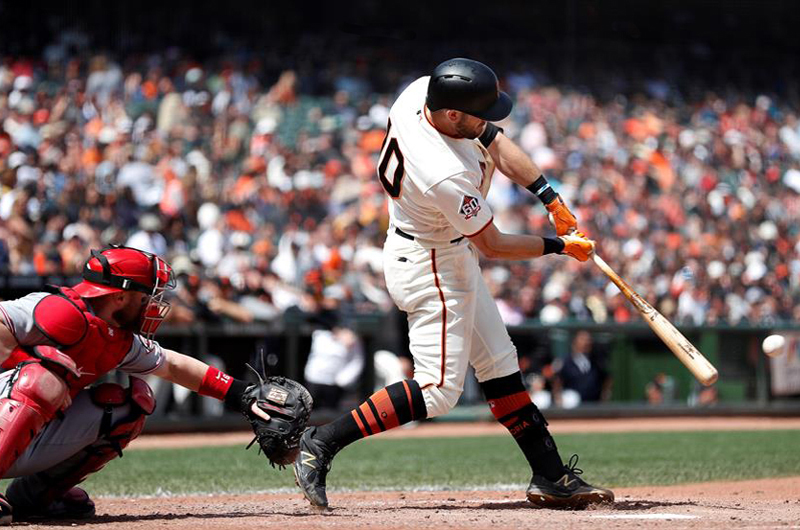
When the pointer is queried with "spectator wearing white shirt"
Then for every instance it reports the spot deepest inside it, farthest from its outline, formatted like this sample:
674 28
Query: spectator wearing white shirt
149 237
335 361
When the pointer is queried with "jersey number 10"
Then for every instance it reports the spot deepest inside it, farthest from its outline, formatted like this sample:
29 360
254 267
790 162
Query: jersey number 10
394 187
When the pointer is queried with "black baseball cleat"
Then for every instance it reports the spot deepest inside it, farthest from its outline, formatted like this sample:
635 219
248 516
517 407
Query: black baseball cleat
75 504
5 511
311 467
568 492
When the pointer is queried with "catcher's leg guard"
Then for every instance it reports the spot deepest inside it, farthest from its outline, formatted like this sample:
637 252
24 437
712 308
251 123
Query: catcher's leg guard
43 494
34 395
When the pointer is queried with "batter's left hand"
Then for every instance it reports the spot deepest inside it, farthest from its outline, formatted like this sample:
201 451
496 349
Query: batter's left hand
560 217
577 246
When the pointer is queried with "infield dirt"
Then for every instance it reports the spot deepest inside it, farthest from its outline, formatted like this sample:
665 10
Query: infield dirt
767 503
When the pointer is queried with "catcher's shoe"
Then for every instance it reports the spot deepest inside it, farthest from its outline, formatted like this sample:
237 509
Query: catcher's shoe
74 504
570 491
312 466
5 511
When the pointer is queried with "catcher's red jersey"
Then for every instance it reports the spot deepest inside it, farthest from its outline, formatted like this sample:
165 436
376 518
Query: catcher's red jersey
96 350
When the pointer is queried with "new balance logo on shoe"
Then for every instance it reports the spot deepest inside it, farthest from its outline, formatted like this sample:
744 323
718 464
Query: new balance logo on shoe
306 459
566 482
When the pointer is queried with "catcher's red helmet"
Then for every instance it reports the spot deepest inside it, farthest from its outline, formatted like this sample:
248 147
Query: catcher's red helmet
116 269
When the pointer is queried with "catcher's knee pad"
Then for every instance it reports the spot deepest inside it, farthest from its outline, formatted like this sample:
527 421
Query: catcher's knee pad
439 400
109 396
35 394
136 402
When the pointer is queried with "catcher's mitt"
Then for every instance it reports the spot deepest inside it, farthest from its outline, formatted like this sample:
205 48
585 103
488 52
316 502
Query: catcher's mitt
288 405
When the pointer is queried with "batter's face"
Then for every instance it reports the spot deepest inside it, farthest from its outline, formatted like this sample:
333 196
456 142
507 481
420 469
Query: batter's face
468 126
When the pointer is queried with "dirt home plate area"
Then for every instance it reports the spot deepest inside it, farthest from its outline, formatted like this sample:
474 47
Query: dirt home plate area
766 503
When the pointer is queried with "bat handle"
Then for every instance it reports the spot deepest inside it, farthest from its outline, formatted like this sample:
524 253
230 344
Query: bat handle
613 276
600 262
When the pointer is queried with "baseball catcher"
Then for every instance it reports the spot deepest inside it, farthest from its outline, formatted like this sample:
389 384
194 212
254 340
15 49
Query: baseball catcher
57 426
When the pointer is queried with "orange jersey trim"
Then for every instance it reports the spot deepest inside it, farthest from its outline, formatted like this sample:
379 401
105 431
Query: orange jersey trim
490 221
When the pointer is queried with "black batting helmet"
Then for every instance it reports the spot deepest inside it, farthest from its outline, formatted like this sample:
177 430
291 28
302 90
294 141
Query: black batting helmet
468 86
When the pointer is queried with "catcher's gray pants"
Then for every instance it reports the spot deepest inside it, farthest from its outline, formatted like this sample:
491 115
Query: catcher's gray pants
64 436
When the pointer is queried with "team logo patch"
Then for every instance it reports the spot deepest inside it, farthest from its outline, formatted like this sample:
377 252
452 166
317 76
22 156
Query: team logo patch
469 207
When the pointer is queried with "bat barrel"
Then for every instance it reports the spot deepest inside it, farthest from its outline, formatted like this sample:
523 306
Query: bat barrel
684 350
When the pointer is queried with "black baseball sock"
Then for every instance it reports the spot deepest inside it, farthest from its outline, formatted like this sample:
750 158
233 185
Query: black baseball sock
512 406
390 407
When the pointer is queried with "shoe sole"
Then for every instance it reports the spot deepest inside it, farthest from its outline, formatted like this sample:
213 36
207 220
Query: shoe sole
305 492
577 501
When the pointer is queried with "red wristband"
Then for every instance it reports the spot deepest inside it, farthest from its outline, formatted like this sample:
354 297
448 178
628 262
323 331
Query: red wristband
215 384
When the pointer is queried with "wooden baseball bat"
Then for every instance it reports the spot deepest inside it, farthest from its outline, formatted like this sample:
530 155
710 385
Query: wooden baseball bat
703 370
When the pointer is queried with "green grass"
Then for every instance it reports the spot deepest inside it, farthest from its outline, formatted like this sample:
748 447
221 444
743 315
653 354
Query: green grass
619 459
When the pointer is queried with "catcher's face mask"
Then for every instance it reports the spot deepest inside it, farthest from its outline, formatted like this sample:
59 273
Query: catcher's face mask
117 269
157 308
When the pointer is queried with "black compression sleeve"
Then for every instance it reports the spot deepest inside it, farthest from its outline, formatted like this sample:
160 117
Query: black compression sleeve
552 246
233 398
541 188
489 134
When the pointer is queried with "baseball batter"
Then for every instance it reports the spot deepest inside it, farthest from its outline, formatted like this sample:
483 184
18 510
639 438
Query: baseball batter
436 164
54 429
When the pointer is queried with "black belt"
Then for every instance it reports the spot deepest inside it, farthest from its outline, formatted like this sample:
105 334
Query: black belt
411 238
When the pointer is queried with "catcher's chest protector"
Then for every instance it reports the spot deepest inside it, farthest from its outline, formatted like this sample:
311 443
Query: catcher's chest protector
100 349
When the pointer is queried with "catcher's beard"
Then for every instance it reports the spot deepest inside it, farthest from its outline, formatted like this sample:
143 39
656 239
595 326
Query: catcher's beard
129 319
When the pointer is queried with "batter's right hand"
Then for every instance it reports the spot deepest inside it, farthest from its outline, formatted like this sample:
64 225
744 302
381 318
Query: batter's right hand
561 217
577 246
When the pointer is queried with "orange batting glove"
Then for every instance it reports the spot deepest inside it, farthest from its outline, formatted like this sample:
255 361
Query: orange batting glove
560 217
577 246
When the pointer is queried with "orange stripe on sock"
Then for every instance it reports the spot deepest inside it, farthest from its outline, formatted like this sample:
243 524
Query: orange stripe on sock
358 422
370 417
408 395
385 407
504 406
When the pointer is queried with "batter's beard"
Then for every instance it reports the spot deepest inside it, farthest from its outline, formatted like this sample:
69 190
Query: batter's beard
468 132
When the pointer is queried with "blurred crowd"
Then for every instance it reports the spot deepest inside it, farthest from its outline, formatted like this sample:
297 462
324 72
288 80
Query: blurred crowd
264 197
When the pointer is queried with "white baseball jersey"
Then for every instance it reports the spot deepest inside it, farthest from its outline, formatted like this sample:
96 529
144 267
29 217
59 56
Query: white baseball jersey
438 184
437 187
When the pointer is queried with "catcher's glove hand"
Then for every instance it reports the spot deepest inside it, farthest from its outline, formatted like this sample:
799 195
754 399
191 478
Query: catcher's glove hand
278 410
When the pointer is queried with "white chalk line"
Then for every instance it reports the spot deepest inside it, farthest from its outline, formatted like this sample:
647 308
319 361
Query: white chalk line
645 516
